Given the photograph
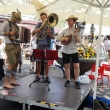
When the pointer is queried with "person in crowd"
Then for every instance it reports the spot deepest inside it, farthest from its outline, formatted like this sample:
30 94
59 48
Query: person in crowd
70 50
32 46
2 57
43 44
21 58
27 52
107 46
10 31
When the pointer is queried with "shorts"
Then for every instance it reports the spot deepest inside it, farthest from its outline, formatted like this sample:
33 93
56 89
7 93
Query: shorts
67 57
13 53
32 59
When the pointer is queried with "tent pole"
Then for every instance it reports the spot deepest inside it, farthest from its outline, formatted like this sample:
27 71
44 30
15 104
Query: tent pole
98 52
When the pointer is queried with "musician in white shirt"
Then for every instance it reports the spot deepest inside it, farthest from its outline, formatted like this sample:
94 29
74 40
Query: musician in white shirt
70 50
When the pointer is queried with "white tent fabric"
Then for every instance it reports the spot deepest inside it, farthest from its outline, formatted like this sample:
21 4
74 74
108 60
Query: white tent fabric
24 9
79 8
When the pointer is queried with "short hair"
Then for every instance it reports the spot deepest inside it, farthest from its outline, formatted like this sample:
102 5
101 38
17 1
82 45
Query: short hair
43 14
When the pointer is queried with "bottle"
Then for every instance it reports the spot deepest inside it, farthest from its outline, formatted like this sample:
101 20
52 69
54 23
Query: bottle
82 92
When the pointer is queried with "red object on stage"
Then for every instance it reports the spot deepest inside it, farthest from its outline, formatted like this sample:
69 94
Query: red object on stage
47 54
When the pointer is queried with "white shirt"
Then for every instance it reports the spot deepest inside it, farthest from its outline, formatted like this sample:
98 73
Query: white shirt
72 47
4 27
2 51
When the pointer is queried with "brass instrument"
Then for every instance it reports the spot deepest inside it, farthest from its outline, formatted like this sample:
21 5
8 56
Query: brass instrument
51 21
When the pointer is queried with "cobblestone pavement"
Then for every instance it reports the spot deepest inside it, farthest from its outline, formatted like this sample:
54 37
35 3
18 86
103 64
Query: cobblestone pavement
25 70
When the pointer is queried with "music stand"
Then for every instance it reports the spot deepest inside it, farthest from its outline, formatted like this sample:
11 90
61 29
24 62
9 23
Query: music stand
44 54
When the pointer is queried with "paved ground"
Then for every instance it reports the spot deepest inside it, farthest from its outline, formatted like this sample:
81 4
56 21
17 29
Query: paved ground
9 105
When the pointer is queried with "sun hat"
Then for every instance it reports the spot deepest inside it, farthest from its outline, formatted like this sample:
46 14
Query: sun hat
71 17
17 16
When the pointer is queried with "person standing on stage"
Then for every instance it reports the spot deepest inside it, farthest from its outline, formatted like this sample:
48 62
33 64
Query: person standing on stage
10 31
70 50
43 44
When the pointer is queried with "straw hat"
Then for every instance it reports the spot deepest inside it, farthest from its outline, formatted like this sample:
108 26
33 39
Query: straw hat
71 17
17 16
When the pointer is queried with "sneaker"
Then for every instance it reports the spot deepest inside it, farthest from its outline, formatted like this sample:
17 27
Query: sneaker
36 79
47 79
77 85
67 84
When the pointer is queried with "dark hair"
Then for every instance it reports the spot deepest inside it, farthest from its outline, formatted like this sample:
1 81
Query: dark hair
43 14
108 36
74 20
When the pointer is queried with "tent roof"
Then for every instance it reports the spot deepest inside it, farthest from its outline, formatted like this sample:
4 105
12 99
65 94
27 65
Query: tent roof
87 10
84 9
24 6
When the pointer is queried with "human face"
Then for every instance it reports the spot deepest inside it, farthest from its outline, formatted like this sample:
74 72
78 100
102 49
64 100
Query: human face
43 18
70 22
13 20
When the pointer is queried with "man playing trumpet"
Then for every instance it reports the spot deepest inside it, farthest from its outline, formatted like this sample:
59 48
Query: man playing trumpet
70 50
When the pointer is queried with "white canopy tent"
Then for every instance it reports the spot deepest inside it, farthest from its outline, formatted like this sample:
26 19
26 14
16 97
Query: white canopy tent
24 9
24 6
88 10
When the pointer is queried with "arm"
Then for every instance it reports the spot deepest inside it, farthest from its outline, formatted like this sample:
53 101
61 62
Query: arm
77 36
36 29
51 33
61 37
3 27
3 31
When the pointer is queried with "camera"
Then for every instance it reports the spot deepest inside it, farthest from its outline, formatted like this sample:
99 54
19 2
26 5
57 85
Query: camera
81 26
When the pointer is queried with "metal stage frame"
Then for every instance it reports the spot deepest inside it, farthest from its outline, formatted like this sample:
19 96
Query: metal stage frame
59 97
